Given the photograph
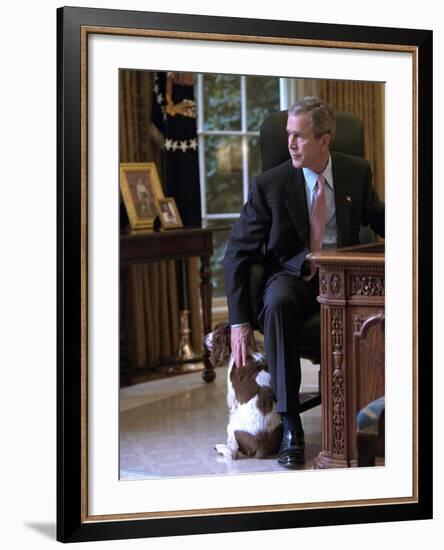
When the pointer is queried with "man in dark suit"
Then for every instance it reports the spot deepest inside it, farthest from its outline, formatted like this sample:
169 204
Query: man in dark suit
316 199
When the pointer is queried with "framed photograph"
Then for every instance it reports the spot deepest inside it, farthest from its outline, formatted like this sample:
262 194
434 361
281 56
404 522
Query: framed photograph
94 502
141 188
168 213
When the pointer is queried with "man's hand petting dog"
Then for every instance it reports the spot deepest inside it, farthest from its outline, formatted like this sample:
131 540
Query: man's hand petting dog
242 338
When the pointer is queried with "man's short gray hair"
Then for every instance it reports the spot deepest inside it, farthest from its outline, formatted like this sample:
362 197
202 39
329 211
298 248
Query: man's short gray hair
321 115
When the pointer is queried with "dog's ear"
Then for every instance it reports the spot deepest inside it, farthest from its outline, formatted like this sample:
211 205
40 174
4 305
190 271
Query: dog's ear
220 348
208 341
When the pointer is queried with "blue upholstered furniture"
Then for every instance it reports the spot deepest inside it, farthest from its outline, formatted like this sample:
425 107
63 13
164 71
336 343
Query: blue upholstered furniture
370 427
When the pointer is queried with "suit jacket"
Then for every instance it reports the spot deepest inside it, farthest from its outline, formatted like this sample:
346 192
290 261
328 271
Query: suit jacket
274 227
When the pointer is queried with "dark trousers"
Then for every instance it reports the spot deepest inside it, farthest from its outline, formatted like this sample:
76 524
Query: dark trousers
287 302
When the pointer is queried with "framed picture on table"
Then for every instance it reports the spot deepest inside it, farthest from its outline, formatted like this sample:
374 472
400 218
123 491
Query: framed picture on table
93 44
168 213
141 189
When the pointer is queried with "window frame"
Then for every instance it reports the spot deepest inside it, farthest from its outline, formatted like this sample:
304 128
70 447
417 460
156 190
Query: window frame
287 95
288 92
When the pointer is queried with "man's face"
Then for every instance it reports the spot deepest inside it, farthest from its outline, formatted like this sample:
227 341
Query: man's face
306 151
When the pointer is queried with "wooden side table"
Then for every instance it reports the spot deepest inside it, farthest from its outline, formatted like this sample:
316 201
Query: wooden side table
177 244
352 298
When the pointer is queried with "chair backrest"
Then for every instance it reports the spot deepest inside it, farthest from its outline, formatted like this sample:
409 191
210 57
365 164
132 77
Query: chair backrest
349 139
273 138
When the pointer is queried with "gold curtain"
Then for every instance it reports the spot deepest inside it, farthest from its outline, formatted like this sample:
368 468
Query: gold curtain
365 100
150 300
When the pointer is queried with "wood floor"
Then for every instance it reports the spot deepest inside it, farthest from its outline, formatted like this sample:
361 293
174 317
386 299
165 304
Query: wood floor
168 428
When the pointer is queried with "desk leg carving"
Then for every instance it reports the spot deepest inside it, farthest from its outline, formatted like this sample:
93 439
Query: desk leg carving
352 290
338 386
335 455
205 292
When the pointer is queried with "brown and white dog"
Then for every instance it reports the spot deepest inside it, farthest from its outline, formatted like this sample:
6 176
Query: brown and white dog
254 427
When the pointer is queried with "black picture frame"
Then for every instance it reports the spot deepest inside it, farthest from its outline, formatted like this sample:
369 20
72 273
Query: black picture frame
73 523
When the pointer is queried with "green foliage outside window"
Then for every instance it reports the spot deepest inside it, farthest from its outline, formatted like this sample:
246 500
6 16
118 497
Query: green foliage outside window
225 154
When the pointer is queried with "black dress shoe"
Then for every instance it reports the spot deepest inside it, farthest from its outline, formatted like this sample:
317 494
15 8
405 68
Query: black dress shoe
292 451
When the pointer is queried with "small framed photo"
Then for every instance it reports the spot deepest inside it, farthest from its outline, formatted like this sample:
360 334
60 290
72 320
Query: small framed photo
141 188
168 213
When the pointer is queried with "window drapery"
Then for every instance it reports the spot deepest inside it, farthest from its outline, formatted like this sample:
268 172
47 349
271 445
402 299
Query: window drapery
150 299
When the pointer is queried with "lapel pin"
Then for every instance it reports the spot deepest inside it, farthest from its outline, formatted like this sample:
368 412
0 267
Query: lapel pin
348 198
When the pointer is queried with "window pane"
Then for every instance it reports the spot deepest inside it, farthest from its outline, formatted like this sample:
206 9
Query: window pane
262 99
222 102
223 165
221 233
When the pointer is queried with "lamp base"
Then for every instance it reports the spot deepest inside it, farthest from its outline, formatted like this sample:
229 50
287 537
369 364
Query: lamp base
185 352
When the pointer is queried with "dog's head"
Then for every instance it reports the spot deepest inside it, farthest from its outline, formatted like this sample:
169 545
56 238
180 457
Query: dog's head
218 343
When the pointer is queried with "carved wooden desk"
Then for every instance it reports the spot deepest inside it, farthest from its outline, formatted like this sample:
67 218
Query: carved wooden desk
176 244
352 296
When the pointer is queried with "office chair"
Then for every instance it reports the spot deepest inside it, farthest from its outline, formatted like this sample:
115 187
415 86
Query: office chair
274 150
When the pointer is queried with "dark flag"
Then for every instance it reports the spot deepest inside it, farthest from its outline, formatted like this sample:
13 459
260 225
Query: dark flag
174 127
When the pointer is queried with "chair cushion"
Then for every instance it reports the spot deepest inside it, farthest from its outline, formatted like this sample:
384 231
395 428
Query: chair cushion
369 418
